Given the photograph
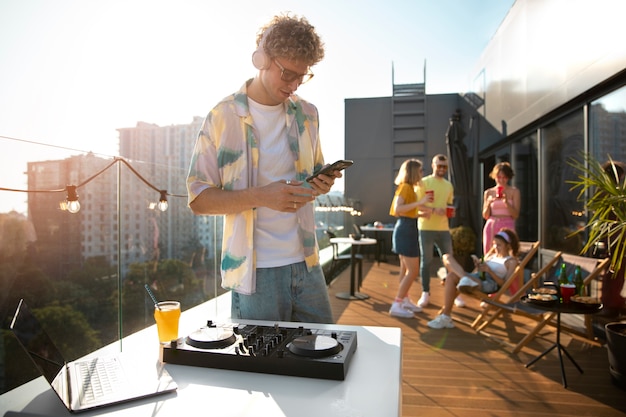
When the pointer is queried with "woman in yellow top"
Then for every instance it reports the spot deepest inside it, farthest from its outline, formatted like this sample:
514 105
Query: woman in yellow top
405 240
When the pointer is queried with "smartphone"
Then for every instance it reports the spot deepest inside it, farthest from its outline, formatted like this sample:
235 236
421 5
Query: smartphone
336 166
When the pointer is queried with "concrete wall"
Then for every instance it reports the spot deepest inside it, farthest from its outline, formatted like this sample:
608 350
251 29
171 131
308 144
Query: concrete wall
368 142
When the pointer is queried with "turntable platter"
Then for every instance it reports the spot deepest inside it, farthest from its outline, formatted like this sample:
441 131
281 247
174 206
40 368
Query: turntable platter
314 346
211 338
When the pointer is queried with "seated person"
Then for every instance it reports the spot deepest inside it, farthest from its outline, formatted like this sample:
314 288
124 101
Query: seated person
495 270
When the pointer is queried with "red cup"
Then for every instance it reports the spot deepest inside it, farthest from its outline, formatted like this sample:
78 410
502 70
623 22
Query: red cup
499 192
431 195
450 211
567 290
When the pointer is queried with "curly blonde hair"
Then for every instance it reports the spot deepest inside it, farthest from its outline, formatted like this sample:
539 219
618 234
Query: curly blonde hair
292 38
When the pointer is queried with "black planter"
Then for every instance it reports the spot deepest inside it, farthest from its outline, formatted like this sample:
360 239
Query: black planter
616 347
612 284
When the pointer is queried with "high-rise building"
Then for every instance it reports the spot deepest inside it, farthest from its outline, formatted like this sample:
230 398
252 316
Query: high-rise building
128 225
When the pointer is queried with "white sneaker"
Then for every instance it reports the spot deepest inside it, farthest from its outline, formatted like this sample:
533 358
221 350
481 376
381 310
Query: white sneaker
442 272
407 304
459 302
424 299
441 322
396 310
467 285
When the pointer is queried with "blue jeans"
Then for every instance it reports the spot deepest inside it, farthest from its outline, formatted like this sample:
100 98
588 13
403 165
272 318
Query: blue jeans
286 293
442 241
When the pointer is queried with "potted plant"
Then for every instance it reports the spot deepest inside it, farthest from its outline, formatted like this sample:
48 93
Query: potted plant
603 187
463 245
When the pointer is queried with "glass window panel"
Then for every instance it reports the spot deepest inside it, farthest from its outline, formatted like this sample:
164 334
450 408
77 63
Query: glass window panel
561 213
525 166
607 126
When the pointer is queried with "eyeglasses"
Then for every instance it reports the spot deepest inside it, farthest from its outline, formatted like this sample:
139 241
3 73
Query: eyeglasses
290 76
442 167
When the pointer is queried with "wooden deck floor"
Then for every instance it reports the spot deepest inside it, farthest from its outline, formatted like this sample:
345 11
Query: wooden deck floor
457 372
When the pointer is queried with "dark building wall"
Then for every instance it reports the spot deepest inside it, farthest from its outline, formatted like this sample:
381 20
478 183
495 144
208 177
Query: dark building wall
369 181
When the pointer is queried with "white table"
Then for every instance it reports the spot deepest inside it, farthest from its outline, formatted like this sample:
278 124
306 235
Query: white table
379 239
205 391
354 286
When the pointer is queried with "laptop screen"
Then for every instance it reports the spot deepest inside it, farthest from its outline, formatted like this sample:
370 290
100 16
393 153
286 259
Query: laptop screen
36 341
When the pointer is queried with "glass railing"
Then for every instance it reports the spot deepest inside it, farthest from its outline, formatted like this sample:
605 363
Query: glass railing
83 272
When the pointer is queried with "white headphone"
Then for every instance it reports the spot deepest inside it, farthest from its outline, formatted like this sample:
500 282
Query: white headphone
260 59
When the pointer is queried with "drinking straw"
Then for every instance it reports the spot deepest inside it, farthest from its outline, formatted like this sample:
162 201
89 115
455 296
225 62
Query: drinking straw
156 303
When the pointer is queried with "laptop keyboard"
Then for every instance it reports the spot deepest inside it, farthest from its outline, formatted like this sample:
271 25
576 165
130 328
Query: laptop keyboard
99 377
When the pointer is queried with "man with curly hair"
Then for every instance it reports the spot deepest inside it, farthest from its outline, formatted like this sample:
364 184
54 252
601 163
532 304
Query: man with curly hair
252 156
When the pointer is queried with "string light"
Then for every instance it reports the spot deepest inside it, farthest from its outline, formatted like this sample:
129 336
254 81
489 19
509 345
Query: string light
162 204
72 204
332 207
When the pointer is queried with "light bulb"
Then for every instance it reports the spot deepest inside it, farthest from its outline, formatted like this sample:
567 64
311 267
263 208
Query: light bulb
162 204
73 206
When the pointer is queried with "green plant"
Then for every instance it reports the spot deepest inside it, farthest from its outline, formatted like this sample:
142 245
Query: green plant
463 245
606 202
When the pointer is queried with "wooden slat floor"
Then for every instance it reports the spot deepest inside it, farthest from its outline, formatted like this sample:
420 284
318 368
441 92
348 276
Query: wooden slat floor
457 372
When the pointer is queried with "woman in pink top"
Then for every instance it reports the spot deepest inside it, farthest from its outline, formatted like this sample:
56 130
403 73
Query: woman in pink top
501 204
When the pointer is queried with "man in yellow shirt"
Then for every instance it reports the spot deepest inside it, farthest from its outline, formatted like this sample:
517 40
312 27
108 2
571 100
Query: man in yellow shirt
434 230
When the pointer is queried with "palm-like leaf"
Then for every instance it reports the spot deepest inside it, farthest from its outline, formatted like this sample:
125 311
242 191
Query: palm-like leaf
605 198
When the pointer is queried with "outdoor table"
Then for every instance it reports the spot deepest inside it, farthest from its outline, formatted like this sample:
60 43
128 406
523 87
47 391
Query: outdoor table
377 231
225 392
558 308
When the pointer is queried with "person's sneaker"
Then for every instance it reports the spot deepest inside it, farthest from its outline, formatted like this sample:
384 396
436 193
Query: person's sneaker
442 272
396 310
441 322
407 304
424 299
467 285
459 301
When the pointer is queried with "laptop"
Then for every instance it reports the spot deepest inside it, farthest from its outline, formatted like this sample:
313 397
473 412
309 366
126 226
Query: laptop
89 383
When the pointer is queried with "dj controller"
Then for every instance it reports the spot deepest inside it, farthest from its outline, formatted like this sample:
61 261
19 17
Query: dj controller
295 351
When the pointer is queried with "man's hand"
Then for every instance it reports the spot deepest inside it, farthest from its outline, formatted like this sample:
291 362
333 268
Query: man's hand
323 183
286 196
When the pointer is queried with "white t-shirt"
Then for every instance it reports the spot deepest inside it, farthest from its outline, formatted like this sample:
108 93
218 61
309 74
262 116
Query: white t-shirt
276 239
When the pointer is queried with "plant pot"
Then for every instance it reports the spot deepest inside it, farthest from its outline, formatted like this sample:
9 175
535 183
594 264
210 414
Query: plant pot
612 300
616 347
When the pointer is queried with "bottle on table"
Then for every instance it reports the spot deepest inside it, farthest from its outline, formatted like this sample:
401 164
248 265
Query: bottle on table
482 273
563 275
578 281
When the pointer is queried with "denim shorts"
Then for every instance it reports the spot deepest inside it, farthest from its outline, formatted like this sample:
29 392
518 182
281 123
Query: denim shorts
488 286
286 293
405 239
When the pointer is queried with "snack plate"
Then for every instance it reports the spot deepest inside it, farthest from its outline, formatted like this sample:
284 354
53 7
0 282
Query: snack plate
541 299
545 290
588 303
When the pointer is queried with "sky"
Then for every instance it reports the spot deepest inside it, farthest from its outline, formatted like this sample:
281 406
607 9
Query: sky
74 71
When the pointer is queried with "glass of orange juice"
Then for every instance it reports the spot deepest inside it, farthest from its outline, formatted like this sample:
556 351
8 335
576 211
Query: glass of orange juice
166 315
